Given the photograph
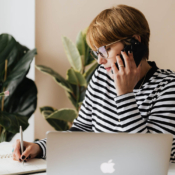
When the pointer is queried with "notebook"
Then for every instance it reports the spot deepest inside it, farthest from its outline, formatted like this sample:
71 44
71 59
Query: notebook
9 166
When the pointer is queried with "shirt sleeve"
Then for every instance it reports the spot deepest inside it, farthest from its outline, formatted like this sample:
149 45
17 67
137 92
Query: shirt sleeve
42 144
161 116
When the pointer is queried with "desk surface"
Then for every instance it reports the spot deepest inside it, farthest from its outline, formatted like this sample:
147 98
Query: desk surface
44 173
170 172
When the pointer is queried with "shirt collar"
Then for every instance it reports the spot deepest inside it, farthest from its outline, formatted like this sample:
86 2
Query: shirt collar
148 75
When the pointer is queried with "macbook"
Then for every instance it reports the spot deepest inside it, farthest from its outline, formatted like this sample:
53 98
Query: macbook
82 153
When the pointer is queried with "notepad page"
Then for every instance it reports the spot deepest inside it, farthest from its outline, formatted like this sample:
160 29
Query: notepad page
9 166
5 148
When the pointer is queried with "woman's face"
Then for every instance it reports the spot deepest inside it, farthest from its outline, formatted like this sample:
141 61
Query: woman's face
112 50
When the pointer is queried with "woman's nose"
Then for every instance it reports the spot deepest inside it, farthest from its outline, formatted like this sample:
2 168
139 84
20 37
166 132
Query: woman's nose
101 60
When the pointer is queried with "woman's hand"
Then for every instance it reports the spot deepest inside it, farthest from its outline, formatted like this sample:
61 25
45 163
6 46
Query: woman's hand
126 77
31 150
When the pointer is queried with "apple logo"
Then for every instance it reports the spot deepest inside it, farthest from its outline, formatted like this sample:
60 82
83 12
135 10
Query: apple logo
107 167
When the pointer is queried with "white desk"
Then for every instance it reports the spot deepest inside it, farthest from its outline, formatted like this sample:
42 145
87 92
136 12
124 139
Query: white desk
171 169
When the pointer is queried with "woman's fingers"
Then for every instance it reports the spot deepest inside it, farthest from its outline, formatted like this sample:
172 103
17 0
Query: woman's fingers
120 62
129 60
31 150
26 154
14 157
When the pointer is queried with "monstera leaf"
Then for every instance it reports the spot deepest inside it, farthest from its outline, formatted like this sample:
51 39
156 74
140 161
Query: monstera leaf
16 109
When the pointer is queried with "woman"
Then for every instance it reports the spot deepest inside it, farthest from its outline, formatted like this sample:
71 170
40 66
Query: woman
133 99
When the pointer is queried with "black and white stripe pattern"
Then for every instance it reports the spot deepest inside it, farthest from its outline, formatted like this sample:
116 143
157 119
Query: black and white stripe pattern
150 109
42 144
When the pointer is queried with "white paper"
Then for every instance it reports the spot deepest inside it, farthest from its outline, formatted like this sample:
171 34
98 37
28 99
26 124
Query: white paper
9 166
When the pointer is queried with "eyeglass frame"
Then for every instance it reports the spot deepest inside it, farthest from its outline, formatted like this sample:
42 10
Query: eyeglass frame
97 52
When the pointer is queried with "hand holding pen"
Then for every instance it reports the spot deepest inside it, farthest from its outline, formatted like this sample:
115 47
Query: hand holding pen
30 151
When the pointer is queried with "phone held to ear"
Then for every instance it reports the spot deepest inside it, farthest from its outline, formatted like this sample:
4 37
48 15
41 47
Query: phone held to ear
138 50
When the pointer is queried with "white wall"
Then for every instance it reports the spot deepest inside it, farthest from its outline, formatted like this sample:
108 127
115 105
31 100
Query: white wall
17 17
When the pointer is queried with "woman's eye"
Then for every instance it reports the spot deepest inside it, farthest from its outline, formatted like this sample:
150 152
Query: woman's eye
108 49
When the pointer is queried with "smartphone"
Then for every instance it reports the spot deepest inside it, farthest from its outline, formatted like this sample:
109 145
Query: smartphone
138 50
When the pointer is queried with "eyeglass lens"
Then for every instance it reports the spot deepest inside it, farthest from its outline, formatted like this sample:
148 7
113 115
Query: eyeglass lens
102 51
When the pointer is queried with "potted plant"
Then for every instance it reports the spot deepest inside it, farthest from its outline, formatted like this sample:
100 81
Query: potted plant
15 109
75 83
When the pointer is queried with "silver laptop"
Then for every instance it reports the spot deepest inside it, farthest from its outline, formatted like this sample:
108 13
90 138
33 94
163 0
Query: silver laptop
81 153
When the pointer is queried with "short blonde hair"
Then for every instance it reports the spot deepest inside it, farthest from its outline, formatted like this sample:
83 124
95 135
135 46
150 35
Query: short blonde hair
118 23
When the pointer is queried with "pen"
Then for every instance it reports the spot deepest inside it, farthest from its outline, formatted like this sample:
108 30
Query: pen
21 142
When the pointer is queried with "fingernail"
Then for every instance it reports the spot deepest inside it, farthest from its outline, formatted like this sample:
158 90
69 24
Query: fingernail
29 157
25 161
20 160
23 157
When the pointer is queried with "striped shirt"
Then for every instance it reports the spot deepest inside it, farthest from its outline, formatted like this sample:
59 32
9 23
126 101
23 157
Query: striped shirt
150 109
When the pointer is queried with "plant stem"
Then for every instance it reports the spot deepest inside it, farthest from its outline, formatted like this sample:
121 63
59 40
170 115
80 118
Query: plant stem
2 104
84 88
5 77
3 136
78 95
74 95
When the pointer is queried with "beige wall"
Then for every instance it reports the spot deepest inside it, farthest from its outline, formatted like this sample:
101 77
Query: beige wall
56 18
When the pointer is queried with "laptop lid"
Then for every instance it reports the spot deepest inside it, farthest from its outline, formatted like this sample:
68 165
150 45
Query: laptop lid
107 153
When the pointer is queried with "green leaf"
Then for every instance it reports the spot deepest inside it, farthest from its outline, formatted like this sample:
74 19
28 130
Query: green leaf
76 78
80 43
21 103
9 136
72 53
7 43
22 66
88 74
58 125
88 58
48 109
57 77
12 122
72 99
80 103
82 94
22 99
67 115
11 51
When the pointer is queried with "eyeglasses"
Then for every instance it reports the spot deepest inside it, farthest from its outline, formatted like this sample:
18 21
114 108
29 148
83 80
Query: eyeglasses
102 51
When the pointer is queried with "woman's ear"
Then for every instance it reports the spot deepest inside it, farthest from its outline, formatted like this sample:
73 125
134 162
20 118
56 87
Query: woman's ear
137 37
